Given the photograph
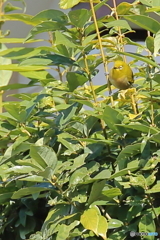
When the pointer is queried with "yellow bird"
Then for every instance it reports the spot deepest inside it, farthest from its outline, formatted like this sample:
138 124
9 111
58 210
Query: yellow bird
121 75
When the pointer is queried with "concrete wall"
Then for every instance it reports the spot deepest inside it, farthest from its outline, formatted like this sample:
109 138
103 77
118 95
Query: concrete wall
19 29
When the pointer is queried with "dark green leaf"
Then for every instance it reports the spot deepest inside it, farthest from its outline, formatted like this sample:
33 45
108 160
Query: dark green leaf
46 26
128 151
49 59
96 191
50 15
75 79
111 118
79 17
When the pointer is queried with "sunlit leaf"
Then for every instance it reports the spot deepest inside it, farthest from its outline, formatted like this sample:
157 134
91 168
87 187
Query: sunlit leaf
5 75
145 22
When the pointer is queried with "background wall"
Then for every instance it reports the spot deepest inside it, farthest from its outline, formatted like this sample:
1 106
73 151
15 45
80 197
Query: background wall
19 29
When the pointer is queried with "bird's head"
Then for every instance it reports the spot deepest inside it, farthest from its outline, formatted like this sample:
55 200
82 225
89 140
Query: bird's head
119 65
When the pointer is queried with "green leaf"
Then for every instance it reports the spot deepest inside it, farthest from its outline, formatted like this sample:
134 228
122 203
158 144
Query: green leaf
28 191
20 52
15 86
5 75
15 110
144 22
104 174
128 151
140 127
92 220
75 79
33 178
44 27
111 193
54 215
150 3
96 191
11 152
43 76
22 216
150 43
18 68
147 225
111 118
9 8
156 137
79 17
21 169
139 181
48 59
64 230
78 176
140 57
134 212
123 172
61 38
18 40
79 161
44 155
123 8
66 115
50 15
5 197
67 140
114 223
157 43
154 9
102 227
19 17
29 228
119 23
65 4
154 189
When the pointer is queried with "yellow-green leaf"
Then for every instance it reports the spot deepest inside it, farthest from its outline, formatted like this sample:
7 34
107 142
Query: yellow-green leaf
17 68
65 4
92 220
5 75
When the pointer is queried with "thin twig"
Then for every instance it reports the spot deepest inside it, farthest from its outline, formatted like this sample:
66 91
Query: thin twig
101 47
151 88
151 203
94 98
119 30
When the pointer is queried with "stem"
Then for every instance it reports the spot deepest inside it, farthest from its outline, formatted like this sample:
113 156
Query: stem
1 5
134 104
151 88
1 101
50 38
94 98
119 30
101 47
151 203
152 107
60 74
90 80
1 92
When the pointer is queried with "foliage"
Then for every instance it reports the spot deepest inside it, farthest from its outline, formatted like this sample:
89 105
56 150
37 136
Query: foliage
75 162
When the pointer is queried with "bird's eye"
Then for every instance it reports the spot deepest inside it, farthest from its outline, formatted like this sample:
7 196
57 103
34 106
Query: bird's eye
120 67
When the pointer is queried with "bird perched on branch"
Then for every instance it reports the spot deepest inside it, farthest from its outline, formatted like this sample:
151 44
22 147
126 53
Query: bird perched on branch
121 75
